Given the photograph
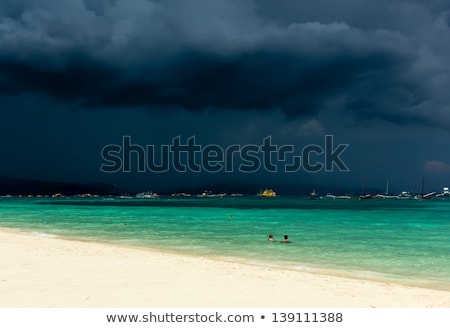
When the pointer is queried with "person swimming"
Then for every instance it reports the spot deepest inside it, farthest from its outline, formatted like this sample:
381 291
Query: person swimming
271 238
285 239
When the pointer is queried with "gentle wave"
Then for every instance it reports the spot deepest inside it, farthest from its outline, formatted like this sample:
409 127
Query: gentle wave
43 234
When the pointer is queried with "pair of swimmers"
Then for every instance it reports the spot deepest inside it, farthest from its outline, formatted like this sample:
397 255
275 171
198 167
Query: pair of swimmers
285 239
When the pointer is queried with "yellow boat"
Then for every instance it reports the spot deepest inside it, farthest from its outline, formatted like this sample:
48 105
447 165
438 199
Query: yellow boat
267 193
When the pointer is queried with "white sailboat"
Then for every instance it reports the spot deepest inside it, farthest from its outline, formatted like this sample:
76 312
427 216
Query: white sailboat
386 193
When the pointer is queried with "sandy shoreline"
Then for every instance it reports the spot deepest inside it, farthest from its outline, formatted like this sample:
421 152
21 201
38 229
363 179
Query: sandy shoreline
37 271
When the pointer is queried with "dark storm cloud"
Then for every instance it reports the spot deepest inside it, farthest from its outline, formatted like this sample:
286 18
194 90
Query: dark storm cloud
231 54
99 6
364 14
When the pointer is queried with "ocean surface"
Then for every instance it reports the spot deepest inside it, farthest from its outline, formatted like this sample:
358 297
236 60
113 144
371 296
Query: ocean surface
395 240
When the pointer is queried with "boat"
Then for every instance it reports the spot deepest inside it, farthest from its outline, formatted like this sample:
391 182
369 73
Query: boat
333 197
404 195
386 193
445 193
363 195
267 193
382 196
426 196
205 194
125 197
343 197
313 194
147 195
181 194
210 194
329 196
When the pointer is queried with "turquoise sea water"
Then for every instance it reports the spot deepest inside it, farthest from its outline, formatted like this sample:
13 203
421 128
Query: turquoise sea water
403 241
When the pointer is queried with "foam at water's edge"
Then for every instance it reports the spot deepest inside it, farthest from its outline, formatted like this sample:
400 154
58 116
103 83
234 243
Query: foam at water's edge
43 234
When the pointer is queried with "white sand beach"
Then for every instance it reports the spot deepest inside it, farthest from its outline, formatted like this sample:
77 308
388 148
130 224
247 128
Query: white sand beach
38 271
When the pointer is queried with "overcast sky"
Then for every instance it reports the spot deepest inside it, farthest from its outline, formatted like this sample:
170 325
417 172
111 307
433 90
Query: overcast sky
77 75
